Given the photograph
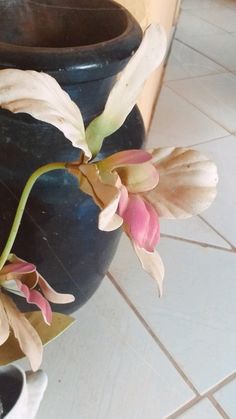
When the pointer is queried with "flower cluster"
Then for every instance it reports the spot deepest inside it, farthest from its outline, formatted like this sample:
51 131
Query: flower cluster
132 188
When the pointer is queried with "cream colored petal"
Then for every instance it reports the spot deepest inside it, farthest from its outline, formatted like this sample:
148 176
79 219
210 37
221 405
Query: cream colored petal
108 219
152 263
4 324
10 350
187 182
39 95
104 189
26 335
125 93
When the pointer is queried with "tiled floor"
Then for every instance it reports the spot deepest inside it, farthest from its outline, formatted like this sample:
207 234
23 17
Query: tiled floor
132 355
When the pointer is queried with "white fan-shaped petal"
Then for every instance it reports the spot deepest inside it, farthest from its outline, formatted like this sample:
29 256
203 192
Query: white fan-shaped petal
187 182
39 95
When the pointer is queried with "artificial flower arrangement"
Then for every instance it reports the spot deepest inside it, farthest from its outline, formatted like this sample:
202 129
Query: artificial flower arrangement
132 188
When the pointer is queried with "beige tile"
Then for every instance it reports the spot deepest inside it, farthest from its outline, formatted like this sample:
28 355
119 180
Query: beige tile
214 95
184 62
202 410
222 214
226 396
218 47
107 366
178 123
195 319
193 229
190 25
222 17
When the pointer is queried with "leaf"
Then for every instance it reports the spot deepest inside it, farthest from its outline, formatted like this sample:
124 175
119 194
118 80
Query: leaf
187 182
125 92
10 350
39 95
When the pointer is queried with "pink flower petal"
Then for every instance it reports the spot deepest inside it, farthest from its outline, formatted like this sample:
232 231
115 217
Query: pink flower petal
141 223
52 295
123 158
34 297
17 268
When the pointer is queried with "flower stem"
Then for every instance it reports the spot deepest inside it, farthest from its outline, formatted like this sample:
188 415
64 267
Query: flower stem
21 206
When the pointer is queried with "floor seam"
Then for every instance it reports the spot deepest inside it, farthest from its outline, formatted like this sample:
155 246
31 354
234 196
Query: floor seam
197 243
152 334
218 407
210 23
217 232
202 53
200 110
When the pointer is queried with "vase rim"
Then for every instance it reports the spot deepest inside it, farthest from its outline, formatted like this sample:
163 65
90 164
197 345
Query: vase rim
92 57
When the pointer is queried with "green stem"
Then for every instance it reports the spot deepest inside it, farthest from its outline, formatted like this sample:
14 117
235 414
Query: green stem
21 206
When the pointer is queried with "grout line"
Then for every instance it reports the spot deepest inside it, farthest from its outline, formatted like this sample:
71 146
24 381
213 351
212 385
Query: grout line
220 385
218 407
211 141
184 408
207 394
203 54
209 23
217 232
188 77
200 110
202 244
152 334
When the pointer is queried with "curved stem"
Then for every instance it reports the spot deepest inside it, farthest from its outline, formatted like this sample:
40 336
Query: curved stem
21 206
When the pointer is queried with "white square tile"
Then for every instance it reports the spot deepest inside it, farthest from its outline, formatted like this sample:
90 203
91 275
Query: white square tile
218 47
107 366
222 214
202 410
193 229
226 397
222 17
190 25
178 123
184 62
195 319
214 95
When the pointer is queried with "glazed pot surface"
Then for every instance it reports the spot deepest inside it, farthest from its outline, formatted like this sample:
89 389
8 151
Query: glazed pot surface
59 229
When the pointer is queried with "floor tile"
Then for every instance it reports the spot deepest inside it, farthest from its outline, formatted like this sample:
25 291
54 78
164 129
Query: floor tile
222 17
184 62
195 319
202 410
107 366
190 25
222 214
206 4
218 47
192 229
197 4
226 397
214 95
178 123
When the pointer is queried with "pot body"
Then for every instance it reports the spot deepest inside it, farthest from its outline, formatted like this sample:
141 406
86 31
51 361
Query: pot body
59 229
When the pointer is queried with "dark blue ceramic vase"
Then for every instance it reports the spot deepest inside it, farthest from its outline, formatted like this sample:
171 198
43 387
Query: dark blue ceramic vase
84 44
